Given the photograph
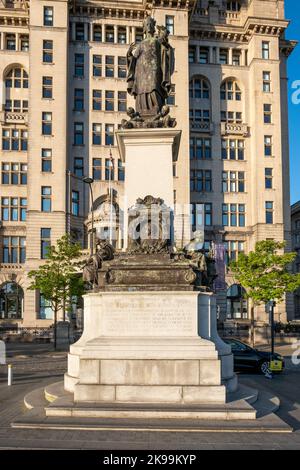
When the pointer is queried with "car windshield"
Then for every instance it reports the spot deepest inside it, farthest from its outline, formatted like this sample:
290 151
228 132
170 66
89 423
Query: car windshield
237 346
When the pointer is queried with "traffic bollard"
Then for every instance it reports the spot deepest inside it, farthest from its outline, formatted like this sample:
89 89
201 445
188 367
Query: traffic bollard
9 375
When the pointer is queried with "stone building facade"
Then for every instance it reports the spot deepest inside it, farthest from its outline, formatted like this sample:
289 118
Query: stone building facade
295 210
63 66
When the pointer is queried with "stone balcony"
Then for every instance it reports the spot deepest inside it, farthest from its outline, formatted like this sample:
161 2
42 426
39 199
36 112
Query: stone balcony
233 128
10 117
202 126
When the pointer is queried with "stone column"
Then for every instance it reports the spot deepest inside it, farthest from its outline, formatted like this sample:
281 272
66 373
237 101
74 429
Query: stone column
115 34
73 31
1 41
243 57
103 32
211 55
17 41
198 54
86 32
132 33
230 54
128 34
217 55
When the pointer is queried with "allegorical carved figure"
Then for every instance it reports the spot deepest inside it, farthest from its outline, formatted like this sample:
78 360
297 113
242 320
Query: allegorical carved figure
104 252
150 65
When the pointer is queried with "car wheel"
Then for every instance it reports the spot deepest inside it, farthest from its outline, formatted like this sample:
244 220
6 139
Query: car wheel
264 367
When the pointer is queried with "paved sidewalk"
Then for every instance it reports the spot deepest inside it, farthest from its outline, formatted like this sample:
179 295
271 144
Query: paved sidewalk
36 370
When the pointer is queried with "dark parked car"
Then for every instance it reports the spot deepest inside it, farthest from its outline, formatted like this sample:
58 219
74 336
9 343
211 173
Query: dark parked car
247 358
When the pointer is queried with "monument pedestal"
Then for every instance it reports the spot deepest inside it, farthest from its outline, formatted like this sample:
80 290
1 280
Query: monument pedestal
144 347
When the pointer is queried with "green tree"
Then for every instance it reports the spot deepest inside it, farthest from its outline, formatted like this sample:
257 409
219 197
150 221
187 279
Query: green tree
57 279
265 274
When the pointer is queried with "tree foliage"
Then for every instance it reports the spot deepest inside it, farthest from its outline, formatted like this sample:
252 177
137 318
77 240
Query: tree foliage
57 279
264 273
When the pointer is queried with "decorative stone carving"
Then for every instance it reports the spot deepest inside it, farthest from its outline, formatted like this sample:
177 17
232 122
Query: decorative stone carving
104 251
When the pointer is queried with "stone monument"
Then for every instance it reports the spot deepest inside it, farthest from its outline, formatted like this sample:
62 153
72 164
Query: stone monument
150 340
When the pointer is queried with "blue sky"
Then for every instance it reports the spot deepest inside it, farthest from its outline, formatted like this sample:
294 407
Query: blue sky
292 12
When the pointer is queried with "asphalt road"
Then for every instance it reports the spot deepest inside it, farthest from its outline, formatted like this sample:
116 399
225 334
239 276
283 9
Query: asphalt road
35 366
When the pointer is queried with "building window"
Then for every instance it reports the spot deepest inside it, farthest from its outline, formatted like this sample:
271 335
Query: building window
109 169
45 242
16 78
230 91
170 24
233 181
75 203
109 134
97 33
24 43
14 173
14 250
97 100
237 305
200 148
78 133
109 34
201 181
109 66
10 42
47 123
233 5
109 100
79 65
97 169
48 16
97 129
265 50
171 97
269 178
192 54
16 106
269 212
223 56
199 89
48 51
201 214
46 195
13 209
14 139
121 35
204 55
78 167
46 155
47 87
233 215
268 145
199 116
232 116
233 149
97 66
122 101
267 113
139 35
121 171
122 67
79 31
45 309
267 82
233 250
236 58
79 99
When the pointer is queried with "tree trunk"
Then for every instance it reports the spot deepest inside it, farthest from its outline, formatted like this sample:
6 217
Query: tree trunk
252 324
55 328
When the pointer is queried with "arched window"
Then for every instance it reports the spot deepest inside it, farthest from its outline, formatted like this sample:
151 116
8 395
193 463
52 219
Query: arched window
11 301
233 5
16 78
237 305
199 89
231 91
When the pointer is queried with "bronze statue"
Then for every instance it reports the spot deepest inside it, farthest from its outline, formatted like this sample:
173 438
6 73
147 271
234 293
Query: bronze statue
150 66
104 252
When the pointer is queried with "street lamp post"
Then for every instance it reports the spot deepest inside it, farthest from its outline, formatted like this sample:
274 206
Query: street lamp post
90 181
